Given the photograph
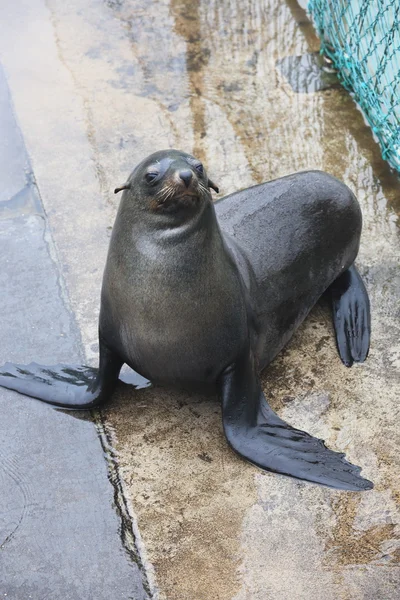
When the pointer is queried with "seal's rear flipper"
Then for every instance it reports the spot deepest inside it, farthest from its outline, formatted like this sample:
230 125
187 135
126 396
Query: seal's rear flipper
351 316
255 432
75 387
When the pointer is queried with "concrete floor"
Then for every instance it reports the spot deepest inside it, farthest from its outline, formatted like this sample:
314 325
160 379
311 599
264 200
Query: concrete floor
64 529
96 87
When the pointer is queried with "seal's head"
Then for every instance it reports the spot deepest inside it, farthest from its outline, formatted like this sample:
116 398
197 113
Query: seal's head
169 182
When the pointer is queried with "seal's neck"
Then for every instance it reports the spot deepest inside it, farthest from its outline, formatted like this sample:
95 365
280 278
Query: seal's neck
194 244
189 226
201 223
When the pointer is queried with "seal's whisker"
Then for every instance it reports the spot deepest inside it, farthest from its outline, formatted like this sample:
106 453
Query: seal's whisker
166 193
203 188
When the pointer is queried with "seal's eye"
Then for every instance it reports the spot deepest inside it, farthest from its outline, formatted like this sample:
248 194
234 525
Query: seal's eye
149 177
199 168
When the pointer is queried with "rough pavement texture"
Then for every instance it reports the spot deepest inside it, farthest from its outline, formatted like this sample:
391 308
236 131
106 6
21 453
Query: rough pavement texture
102 85
63 529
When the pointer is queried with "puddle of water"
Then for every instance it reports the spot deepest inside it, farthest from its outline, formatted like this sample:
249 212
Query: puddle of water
307 73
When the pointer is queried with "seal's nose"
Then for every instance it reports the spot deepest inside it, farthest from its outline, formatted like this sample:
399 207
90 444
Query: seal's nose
186 177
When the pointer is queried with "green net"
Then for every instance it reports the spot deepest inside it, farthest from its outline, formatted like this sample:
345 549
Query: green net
362 37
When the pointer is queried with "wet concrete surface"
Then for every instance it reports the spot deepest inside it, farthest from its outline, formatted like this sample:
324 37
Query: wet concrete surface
308 73
61 525
110 82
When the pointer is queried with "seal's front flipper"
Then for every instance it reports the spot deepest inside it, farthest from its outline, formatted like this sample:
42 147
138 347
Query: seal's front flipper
351 316
75 387
255 432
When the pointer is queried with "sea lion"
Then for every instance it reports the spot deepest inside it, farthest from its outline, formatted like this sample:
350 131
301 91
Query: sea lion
196 293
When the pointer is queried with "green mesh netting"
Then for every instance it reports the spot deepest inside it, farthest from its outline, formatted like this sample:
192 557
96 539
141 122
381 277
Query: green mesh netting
362 37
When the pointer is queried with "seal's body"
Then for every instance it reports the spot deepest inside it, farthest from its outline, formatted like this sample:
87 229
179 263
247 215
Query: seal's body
200 294
188 323
300 233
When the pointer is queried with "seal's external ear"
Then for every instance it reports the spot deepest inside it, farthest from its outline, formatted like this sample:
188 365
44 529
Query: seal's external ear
213 186
126 186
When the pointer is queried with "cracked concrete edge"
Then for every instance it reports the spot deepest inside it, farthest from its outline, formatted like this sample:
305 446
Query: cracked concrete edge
132 538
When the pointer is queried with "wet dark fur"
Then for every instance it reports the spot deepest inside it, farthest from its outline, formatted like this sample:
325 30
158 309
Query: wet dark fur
195 293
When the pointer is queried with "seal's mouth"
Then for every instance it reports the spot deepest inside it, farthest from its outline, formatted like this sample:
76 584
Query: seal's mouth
180 201
186 197
175 195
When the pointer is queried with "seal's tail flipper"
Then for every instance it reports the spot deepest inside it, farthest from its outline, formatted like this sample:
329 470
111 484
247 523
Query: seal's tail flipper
351 316
74 387
255 432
